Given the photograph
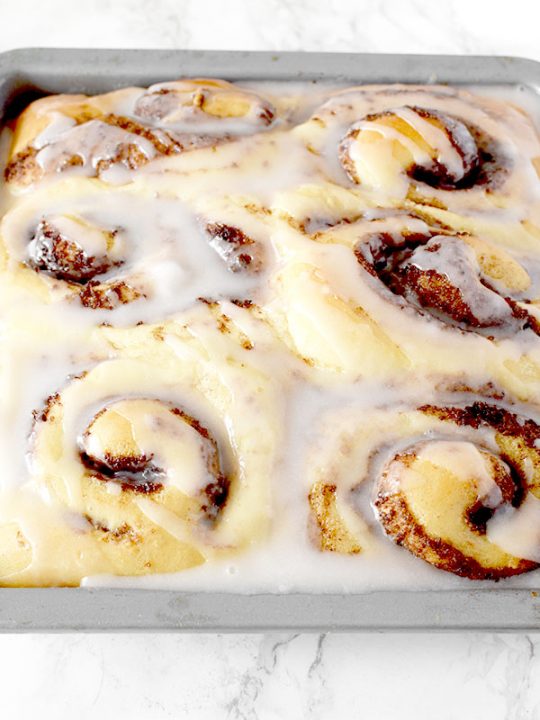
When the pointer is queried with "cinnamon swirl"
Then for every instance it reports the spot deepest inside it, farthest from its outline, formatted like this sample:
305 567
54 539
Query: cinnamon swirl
129 128
454 485
154 466
441 498
75 244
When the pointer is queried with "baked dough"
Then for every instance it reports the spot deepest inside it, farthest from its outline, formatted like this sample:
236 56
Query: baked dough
299 322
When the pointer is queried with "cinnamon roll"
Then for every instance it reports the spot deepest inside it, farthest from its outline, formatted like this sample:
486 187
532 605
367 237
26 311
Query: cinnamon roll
459 280
457 486
449 502
196 101
435 147
427 146
75 244
146 460
128 128
390 294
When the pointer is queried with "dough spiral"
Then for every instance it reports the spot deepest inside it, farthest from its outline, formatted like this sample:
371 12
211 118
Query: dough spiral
151 456
455 485
129 128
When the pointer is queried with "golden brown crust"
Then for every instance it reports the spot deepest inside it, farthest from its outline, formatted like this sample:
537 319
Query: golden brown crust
480 414
107 295
332 533
510 473
61 257
23 169
391 258
241 252
400 524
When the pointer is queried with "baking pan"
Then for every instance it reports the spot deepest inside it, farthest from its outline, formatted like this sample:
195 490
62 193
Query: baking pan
29 73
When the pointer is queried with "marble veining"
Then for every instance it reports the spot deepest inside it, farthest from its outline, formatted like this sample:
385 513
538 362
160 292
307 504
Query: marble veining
247 677
452 26
274 676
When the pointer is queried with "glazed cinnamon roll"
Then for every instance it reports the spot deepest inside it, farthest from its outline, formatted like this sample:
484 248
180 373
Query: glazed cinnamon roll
146 461
76 244
136 460
232 109
427 146
457 486
432 146
391 294
458 280
457 504
127 129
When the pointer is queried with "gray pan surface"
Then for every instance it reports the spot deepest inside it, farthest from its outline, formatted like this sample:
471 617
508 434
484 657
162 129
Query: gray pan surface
26 74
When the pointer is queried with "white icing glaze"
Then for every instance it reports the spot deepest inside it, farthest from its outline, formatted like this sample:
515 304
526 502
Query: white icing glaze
439 141
161 211
457 261
517 530
182 116
463 459
165 519
161 243
91 143
60 125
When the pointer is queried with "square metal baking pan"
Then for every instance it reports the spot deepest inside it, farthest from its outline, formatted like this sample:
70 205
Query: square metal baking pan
26 74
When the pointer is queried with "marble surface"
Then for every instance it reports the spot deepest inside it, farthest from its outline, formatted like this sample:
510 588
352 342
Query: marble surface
249 677
271 677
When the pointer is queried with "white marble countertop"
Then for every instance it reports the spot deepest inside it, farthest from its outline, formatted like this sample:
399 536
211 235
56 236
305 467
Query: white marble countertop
147 677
